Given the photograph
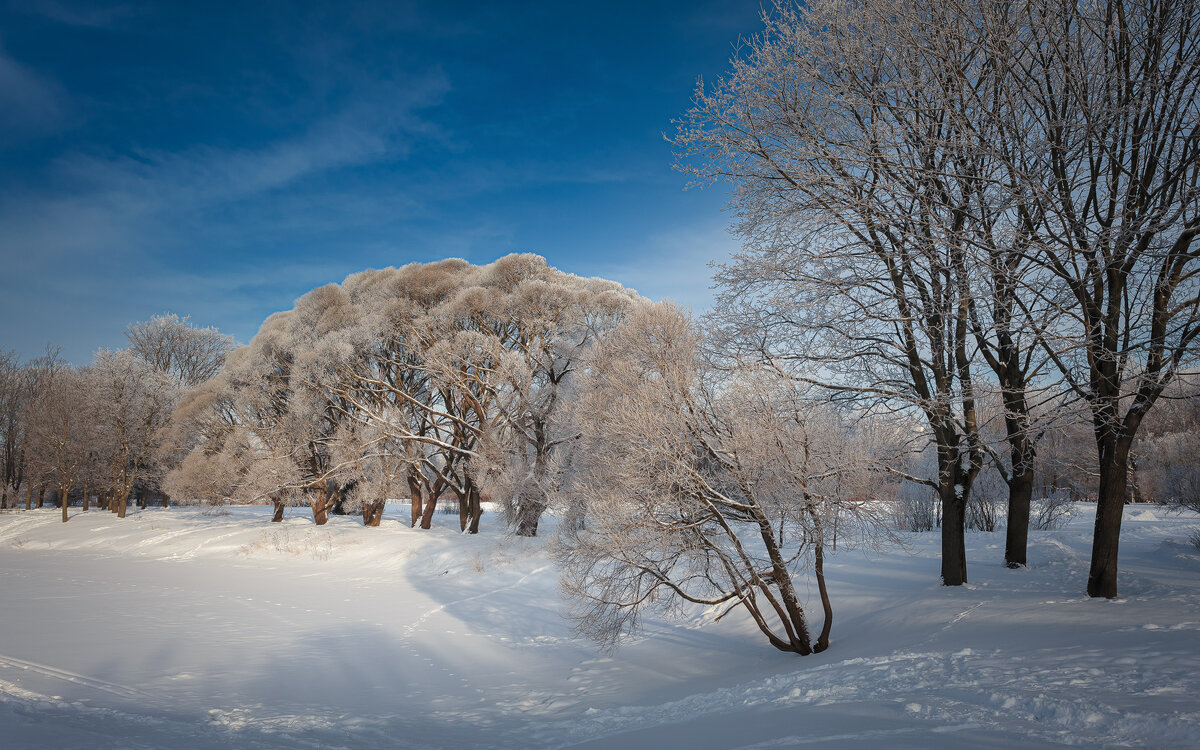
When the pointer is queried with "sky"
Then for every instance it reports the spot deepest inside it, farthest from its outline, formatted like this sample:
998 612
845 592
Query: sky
218 160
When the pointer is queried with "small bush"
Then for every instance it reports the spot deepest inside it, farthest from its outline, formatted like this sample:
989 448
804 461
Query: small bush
918 511
1051 512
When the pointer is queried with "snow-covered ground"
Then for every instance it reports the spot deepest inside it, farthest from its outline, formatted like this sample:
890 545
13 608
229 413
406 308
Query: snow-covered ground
172 628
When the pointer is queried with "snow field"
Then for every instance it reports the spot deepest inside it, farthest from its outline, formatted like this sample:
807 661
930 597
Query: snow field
172 628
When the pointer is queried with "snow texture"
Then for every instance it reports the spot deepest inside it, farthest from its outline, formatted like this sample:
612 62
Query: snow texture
176 629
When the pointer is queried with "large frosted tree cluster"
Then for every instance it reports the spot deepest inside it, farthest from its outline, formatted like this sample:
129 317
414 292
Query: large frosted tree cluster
101 430
969 211
418 382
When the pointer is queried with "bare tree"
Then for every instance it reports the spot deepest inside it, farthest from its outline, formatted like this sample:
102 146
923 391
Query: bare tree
175 347
1104 96
702 486
847 157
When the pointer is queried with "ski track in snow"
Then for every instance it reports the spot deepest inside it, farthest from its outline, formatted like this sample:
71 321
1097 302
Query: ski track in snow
122 691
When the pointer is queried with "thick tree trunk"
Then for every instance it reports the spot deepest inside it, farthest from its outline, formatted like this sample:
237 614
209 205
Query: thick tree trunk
277 515
320 507
166 501
41 497
527 513
1110 506
29 497
427 512
1016 542
63 500
122 505
372 513
954 547
85 496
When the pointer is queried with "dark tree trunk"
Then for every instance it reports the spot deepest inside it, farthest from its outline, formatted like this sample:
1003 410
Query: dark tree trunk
475 508
819 572
29 497
277 515
41 497
1016 541
166 501
122 505
1110 506
63 501
953 496
86 498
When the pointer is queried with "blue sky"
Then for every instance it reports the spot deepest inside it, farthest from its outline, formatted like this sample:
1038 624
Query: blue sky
219 160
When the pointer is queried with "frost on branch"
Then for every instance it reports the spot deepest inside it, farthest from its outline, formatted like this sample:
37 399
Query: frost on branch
704 486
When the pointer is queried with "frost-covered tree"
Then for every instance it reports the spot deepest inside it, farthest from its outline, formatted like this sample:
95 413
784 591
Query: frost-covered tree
705 486
131 404
173 346
60 427
1106 101
838 133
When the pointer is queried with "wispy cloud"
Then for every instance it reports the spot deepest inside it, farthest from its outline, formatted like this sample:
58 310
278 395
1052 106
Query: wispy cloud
31 104
87 14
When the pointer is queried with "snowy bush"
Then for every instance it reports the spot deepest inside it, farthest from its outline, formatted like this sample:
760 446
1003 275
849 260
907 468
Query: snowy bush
986 503
1051 512
917 509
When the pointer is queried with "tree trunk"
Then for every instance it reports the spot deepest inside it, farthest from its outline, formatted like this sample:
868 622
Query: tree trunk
372 513
427 512
277 516
41 497
528 512
320 507
414 491
63 500
166 501
29 497
122 504
1020 495
1110 506
819 572
474 508
954 547
85 496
